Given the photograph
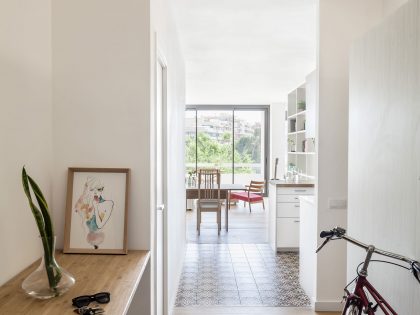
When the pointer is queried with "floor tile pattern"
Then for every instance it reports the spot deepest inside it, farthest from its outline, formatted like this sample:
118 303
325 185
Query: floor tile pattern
239 274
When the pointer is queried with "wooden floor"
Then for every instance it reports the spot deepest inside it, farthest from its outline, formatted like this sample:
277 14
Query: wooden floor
241 310
244 227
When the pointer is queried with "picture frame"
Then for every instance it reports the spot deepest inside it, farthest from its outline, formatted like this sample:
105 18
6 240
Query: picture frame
96 210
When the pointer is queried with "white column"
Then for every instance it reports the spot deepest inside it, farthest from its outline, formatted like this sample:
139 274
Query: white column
339 23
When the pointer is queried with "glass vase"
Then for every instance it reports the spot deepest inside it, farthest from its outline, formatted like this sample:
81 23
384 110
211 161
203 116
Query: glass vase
49 279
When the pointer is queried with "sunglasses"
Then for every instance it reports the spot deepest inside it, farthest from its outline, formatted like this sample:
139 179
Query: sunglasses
84 300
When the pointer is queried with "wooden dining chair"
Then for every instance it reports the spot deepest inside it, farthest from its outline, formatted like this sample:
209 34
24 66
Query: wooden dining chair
209 195
254 194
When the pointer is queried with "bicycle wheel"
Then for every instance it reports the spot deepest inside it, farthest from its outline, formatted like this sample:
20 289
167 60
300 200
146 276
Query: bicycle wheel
352 309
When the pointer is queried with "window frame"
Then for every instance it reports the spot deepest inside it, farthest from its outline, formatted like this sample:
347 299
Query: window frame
233 108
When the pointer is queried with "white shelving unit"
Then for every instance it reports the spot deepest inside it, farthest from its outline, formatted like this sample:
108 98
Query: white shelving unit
301 149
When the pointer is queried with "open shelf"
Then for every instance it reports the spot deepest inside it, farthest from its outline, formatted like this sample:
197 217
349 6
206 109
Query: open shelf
300 149
297 114
304 153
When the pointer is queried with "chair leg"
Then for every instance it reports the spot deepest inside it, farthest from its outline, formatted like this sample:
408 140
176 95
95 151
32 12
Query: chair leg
219 221
249 203
263 205
198 220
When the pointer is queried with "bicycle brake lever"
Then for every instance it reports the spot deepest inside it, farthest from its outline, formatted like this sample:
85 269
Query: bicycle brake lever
415 269
323 244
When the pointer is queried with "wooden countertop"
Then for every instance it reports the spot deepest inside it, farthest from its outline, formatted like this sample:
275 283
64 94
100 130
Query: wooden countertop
118 274
283 183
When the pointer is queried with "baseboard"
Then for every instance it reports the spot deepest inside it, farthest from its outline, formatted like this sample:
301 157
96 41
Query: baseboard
287 249
328 306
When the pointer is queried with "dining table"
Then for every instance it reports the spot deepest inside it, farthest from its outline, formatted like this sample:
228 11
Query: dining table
225 189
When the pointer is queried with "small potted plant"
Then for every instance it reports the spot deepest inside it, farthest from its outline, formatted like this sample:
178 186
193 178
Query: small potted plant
291 143
301 105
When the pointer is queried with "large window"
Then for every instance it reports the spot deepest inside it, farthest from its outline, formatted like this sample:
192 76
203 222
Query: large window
231 138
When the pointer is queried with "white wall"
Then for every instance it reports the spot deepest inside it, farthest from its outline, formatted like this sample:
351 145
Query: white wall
101 96
384 152
165 39
390 6
340 22
104 97
25 125
102 54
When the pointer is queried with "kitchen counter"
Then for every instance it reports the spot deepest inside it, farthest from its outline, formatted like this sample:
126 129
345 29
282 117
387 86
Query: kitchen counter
283 213
290 183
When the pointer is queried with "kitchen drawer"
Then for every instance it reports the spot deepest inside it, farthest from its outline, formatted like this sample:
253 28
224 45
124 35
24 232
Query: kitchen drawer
287 198
287 233
295 191
288 210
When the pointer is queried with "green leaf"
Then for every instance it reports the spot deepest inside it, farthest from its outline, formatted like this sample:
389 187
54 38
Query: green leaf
49 231
44 223
35 211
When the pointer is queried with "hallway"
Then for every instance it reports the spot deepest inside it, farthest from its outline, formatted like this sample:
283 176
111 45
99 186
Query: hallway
237 268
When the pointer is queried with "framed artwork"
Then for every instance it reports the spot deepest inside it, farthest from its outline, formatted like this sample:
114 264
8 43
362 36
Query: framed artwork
96 211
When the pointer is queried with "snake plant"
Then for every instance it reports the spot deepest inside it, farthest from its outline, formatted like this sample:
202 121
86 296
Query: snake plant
45 227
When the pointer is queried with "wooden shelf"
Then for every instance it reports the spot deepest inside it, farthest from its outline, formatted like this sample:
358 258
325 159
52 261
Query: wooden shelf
118 274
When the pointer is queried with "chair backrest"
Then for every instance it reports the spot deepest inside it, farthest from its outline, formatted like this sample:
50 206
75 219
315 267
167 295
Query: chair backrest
256 187
208 184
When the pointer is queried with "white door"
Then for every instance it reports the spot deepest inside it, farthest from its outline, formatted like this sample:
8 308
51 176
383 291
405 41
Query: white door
160 187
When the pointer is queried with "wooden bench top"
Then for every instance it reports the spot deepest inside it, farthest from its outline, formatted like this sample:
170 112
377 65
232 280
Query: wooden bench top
118 274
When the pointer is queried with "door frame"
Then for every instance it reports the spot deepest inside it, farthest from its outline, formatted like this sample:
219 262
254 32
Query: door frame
160 61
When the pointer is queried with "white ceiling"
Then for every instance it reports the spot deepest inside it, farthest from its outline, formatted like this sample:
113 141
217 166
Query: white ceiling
245 51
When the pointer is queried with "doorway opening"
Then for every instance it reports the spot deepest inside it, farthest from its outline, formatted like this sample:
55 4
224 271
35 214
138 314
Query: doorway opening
235 140
237 267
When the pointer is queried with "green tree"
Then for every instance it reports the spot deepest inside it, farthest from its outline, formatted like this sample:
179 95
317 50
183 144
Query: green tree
213 152
251 146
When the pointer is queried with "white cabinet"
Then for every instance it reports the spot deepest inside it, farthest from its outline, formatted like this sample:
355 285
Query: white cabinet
284 214
287 233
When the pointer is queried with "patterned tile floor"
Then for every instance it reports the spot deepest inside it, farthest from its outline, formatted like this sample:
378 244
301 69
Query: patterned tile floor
239 274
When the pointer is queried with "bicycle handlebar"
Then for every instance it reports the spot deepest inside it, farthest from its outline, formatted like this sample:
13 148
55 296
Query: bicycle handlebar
326 234
340 233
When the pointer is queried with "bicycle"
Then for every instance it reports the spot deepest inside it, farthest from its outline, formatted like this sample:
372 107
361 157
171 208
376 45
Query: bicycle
358 301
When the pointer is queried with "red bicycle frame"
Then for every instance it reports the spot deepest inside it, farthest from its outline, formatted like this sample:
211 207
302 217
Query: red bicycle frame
359 298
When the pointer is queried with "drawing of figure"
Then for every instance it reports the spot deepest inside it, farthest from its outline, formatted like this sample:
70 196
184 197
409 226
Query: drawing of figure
94 211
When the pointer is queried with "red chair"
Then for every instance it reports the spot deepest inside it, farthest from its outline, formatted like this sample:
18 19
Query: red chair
253 194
